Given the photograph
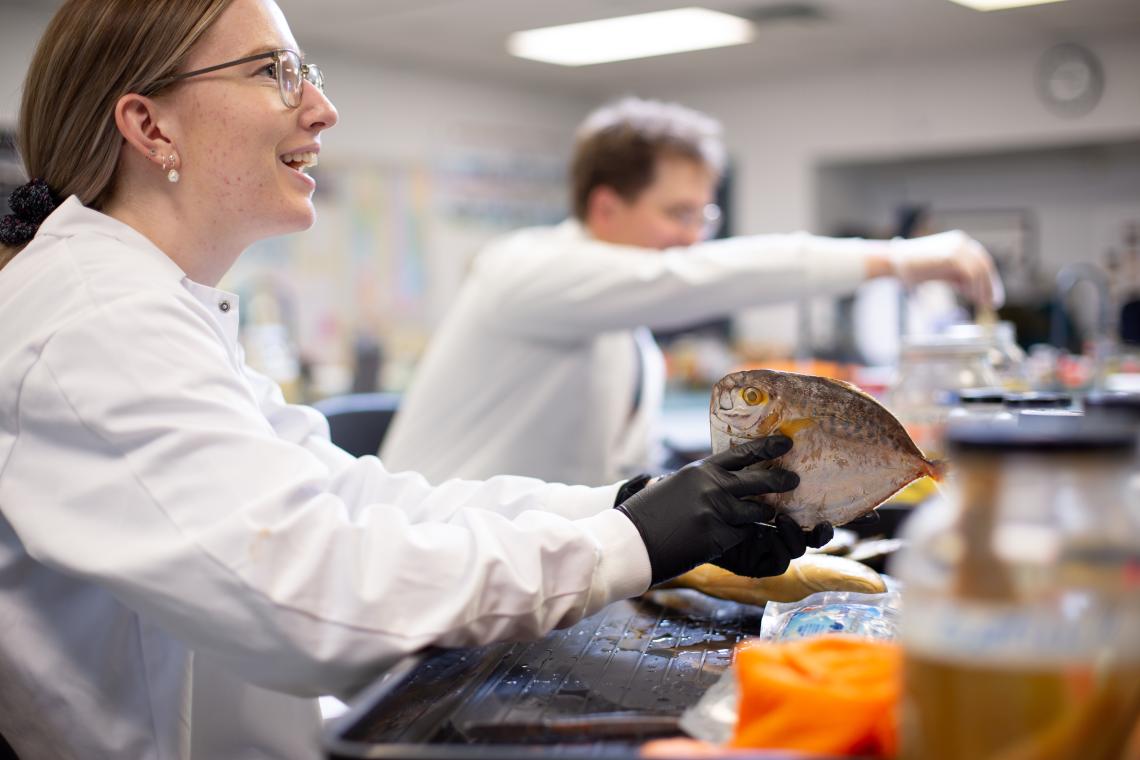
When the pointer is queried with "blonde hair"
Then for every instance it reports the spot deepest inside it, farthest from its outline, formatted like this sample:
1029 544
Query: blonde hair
92 53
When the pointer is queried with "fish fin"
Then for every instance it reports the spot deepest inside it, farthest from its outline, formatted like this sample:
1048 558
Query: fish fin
937 469
791 427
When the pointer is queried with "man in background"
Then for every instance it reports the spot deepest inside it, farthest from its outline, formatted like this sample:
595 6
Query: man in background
545 365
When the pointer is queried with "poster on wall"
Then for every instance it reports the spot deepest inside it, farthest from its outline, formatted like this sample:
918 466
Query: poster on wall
362 290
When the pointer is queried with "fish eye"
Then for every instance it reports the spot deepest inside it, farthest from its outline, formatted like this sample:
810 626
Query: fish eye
753 396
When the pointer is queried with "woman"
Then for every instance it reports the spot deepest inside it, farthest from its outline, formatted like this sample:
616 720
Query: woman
187 560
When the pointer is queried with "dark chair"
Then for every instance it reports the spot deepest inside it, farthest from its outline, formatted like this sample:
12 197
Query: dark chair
1130 320
358 421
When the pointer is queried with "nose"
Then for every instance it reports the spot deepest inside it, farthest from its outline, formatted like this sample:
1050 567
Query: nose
690 235
317 111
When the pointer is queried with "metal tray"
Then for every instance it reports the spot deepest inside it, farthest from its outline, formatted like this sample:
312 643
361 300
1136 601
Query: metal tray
598 689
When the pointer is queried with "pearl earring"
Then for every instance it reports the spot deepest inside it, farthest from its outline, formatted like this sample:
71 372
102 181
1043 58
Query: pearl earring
172 175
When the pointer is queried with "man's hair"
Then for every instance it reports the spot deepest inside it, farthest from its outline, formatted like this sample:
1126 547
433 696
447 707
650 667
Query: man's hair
619 145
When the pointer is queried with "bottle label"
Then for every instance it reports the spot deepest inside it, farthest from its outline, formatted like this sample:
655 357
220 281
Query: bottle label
1071 631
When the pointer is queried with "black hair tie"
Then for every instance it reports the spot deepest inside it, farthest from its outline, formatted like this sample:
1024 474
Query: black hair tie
31 203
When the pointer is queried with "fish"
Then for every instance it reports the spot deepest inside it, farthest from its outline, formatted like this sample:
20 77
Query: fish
805 575
850 452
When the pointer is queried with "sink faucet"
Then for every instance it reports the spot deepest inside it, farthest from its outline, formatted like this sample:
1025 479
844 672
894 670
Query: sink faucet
1067 279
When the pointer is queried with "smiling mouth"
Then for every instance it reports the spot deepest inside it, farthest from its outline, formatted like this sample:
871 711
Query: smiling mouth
299 161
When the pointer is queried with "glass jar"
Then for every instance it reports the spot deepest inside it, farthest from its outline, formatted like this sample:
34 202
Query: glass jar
1006 357
931 370
1021 626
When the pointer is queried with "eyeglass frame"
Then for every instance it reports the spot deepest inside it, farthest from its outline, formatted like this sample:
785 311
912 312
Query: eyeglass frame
303 70
709 219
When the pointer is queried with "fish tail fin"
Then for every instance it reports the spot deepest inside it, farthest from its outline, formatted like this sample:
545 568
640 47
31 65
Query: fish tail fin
937 469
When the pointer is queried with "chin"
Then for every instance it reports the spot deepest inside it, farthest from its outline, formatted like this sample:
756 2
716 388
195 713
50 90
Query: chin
299 218
307 219
296 220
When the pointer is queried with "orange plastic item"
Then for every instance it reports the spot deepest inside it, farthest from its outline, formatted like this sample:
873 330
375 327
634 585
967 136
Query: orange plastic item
825 694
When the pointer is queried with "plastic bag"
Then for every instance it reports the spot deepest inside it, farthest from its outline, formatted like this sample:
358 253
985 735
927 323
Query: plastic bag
874 616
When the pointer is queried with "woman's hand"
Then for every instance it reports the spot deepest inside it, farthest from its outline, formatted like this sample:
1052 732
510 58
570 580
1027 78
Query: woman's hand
698 514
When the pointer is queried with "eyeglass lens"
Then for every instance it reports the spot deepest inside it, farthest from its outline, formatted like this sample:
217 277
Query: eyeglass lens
291 76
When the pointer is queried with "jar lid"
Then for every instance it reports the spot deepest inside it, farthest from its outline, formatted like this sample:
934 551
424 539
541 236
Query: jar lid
1113 399
943 345
1039 429
1038 400
980 395
1118 406
1003 331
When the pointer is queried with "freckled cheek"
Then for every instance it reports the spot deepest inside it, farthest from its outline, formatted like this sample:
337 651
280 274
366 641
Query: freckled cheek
238 148
240 157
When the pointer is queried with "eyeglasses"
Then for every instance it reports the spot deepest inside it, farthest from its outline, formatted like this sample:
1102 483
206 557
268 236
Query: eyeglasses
290 72
708 218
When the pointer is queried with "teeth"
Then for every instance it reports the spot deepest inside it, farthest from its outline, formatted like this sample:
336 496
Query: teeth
303 160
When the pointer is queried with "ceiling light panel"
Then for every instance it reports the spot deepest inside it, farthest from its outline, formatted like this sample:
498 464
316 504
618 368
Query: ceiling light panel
1001 5
628 37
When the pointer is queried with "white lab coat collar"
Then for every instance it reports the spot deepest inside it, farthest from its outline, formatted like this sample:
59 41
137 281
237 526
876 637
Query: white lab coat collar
72 219
573 229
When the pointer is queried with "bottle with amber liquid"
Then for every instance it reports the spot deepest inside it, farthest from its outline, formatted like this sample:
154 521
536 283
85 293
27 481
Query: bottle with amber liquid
1021 601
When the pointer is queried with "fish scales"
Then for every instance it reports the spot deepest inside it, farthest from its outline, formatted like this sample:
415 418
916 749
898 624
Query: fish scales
850 452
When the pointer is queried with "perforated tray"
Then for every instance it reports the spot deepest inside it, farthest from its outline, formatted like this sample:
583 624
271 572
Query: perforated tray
598 689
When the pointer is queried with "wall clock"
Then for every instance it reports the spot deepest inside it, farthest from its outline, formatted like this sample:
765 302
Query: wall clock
1070 80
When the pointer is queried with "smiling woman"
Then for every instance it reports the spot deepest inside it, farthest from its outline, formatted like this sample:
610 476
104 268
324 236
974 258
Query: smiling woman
237 188
195 559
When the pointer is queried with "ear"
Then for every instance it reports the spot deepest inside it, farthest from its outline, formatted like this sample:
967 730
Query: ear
137 118
602 203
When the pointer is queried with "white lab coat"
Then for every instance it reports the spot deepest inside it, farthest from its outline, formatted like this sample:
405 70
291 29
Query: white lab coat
186 561
532 372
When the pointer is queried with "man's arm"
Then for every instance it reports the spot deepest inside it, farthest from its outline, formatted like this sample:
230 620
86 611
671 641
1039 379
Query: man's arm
561 287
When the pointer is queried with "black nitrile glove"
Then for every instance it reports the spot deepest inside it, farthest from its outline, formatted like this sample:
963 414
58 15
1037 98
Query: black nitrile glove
696 514
767 550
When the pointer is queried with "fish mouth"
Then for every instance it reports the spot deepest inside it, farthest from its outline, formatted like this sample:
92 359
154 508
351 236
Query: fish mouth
738 420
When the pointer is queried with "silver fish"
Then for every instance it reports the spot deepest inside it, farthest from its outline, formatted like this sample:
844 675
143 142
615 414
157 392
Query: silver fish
850 452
